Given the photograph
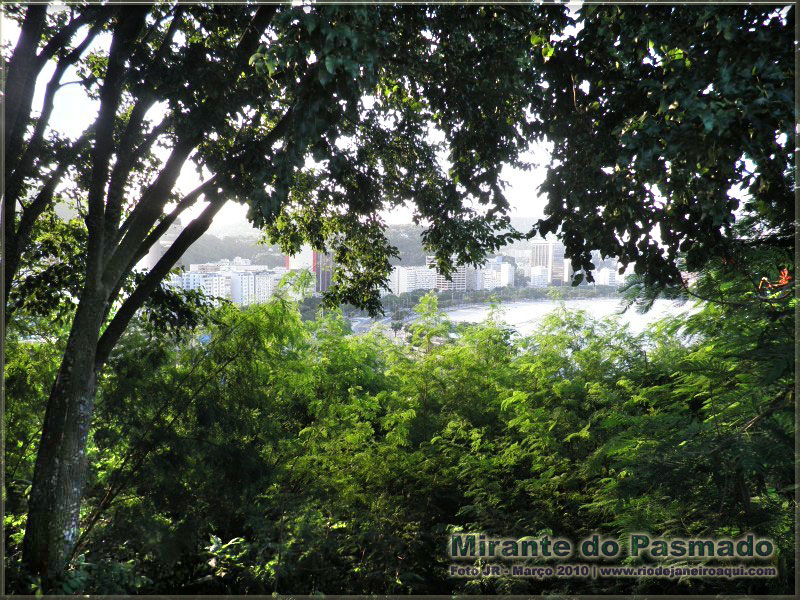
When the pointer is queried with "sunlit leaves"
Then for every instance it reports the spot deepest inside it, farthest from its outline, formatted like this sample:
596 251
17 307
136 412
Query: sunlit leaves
370 451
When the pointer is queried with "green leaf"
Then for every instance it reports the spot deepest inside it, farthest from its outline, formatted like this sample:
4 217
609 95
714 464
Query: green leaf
330 64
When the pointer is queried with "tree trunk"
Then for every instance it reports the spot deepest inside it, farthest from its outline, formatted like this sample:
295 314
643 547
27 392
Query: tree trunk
60 471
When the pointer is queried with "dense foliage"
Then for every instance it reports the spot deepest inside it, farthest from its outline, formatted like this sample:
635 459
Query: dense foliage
687 109
670 131
271 454
316 117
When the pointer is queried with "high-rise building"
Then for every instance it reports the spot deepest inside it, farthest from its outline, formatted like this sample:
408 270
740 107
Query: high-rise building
247 284
550 254
462 277
243 288
490 279
265 284
499 271
409 279
605 269
605 276
507 274
559 270
321 265
324 272
215 285
541 254
540 276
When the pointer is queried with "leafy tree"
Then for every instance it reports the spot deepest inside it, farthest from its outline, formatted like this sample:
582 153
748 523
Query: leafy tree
670 124
248 94
697 99
396 326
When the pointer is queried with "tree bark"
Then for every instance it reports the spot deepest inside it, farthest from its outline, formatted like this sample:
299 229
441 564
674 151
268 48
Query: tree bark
23 67
60 470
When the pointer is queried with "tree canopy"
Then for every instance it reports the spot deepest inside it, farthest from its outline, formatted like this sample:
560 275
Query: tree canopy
268 102
670 130
250 95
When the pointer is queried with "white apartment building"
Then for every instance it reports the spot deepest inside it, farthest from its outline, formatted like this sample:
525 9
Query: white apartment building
216 285
265 284
496 273
243 287
490 279
480 279
462 278
409 279
605 276
508 274
539 276
247 284
255 287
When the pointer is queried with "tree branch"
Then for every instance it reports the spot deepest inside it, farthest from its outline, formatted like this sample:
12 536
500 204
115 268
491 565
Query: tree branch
17 238
165 223
146 144
126 31
168 220
22 73
62 38
135 301
150 207
19 168
126 155
24 69
19 88
147 211
249 42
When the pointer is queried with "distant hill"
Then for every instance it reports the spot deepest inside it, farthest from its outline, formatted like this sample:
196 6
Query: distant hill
406 238
244 243
211 248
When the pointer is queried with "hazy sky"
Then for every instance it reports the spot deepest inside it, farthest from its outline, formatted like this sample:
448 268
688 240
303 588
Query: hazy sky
74 111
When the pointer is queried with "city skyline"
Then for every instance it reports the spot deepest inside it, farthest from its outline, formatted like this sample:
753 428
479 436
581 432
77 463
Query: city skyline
244 283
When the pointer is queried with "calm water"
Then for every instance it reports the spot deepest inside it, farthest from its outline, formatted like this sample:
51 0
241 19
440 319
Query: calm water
524 316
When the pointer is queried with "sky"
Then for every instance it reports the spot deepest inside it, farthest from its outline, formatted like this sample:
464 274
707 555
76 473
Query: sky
74 111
